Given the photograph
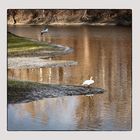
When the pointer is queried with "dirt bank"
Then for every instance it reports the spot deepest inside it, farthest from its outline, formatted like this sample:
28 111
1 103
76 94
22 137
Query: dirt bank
19 91
27 53
70 16
36 62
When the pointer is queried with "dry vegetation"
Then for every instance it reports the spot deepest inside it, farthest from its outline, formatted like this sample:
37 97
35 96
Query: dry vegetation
106 16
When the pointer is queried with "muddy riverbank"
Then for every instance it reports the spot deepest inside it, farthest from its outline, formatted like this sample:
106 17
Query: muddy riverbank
36 62
23 91
28 53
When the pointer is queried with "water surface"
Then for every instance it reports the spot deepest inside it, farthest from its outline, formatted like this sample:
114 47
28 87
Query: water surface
101 52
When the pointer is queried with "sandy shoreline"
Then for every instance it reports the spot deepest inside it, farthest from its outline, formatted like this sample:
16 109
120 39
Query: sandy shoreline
36 62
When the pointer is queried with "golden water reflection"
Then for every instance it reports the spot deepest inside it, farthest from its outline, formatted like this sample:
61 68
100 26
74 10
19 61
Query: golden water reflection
104 53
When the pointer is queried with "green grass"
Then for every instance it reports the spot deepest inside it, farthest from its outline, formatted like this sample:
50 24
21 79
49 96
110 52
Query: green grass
19 44
21 86
18 91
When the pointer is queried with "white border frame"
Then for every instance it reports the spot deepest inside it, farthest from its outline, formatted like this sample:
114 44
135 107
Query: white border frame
70 4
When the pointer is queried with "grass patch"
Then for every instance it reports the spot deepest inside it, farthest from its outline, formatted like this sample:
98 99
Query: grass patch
20 44
18 87
18 90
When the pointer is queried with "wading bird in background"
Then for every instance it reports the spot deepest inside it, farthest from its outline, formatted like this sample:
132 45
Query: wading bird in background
44 31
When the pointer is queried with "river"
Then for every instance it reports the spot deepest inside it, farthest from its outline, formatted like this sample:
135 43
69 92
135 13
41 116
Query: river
103 52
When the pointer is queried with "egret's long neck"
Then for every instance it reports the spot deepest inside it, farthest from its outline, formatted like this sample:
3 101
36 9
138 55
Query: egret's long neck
90 78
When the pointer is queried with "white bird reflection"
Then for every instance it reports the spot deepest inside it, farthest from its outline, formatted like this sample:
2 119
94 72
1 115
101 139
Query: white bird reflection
40 75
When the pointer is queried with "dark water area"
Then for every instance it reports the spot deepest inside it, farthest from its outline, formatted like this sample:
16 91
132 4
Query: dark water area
103 52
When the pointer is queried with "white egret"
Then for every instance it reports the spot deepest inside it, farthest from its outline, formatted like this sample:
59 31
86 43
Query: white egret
88 82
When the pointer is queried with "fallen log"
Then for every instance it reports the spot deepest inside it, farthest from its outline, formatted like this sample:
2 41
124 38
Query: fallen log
23 91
